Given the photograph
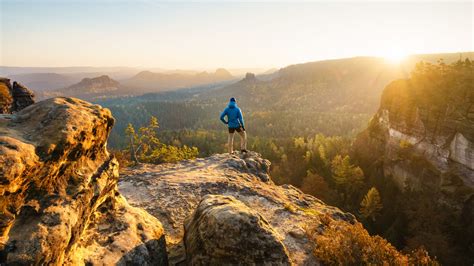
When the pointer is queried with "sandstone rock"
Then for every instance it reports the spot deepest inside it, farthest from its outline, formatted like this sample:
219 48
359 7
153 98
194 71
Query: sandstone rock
181 187
224 231
5 96
22 97
58 183
420 148
119 234
417 147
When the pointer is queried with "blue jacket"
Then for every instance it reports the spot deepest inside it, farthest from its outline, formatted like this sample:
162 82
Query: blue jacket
234 116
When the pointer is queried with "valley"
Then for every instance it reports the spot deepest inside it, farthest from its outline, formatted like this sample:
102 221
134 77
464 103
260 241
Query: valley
315 123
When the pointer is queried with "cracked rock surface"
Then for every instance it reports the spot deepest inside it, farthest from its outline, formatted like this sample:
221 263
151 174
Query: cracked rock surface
172 192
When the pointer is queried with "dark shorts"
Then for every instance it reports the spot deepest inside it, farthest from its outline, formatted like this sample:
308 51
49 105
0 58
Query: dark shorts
238 129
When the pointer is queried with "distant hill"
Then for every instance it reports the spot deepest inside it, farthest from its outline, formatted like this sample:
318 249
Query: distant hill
102 84
147 81
104 87
332 97
89 88
117 71
44 81
341 85
344 85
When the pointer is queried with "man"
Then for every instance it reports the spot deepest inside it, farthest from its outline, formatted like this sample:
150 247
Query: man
235 122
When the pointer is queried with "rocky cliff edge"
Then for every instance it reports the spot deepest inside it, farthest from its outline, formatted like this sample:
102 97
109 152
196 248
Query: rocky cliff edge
182 197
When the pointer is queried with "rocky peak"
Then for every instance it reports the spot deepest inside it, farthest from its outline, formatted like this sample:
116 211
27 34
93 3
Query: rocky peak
261 209
22 97
443 141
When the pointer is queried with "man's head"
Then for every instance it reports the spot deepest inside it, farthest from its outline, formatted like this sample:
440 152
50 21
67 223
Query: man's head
232 99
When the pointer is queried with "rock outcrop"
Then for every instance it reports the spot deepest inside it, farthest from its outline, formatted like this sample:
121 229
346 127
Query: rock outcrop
22 97
59 202
422 139
418 147
224 231
5 96
14 98
173 192
250 77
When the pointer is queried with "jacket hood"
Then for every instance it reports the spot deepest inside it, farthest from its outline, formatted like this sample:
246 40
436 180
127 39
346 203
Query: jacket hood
232 104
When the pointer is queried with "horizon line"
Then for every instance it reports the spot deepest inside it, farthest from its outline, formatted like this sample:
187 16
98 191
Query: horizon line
234 68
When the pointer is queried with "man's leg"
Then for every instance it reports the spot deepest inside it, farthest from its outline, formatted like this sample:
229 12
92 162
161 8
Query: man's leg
230 143
243 140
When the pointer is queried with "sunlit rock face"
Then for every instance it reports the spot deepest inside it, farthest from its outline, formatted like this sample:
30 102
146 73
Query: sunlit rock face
22 97
59 202
5 96
417 146
277 215
424 148
14 98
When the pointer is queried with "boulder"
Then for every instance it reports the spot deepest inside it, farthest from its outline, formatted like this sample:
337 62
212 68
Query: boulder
224 231
59 202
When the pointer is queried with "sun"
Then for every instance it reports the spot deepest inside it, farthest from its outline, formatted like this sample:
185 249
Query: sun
394 56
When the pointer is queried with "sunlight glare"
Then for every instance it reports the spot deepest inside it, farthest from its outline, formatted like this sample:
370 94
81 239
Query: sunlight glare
395 56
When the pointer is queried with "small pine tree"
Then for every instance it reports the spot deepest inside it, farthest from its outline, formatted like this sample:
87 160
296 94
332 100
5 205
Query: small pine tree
145 146
349 179
371 204
132 148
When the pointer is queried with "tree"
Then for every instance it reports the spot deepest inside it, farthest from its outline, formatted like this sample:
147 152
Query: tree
148 139
132 135
145 146
315 185
349 179
342 243
371 204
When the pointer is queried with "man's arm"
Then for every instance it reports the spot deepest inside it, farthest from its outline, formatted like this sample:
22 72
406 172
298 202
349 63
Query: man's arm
241 119
223 114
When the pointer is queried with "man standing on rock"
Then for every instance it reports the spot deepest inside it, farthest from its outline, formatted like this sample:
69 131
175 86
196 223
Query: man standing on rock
235 122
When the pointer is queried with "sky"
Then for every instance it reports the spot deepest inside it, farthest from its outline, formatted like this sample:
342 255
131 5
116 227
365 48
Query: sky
206 35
